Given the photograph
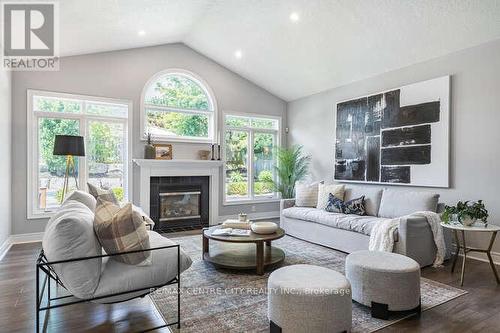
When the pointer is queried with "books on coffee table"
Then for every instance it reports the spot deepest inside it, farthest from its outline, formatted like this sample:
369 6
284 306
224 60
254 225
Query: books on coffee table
231 232
235 224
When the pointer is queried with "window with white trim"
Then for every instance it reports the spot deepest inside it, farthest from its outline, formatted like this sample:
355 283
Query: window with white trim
104 124
178 106
249 148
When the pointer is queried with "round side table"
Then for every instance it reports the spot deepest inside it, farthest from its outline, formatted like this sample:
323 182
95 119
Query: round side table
457 227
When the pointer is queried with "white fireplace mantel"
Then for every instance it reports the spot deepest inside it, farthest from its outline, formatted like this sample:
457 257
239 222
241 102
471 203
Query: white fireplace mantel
179 168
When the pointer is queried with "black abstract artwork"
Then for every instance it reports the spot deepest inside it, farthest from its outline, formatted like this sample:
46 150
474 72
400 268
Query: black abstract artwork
383 139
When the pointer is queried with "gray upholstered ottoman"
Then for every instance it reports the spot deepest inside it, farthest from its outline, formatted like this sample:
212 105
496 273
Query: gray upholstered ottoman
306 298
384 281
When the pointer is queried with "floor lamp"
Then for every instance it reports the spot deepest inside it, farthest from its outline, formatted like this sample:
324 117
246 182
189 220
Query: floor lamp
69 146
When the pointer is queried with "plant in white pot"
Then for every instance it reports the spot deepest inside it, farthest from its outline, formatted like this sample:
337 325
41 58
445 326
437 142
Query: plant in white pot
466 212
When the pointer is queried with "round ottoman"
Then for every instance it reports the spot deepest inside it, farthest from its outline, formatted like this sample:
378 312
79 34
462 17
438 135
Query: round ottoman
384 281
306 298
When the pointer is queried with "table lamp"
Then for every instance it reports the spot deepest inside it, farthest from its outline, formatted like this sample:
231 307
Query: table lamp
69 146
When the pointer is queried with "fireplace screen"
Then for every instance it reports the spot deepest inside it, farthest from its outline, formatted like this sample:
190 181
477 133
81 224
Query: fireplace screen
179 206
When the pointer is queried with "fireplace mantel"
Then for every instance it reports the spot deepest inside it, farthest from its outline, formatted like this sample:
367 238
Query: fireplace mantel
178 168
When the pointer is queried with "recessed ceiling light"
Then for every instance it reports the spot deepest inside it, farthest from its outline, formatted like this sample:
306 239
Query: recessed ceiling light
238 54
141 32
294 17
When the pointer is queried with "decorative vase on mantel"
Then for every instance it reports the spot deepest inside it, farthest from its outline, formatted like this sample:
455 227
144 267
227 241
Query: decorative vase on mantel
149 149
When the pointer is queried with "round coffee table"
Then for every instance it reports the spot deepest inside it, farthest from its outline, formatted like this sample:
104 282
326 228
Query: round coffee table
242 252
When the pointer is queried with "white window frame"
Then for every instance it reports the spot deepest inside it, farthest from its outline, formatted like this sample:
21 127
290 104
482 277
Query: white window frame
250 156
211 113
32 139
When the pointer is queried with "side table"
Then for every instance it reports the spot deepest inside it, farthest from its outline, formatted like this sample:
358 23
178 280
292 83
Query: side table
457 227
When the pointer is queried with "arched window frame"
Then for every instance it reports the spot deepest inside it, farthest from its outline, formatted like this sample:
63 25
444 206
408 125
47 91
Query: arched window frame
212 112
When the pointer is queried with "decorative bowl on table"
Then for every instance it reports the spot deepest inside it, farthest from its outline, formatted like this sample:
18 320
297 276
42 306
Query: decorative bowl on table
264 228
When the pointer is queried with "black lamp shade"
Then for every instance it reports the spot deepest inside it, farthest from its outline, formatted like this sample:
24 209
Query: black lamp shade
69 145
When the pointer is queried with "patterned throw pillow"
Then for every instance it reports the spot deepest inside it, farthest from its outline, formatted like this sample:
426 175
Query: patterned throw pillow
106 195
121 229
355 206
323 194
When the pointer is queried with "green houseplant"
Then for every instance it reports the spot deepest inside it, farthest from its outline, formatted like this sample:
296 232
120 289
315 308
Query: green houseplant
292 166
466 212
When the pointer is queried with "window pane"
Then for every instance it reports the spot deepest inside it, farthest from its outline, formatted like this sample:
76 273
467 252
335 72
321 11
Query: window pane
163 123
235 121
265 123
107 110
49 104
106 148
236 165
51 169
177 91
263 163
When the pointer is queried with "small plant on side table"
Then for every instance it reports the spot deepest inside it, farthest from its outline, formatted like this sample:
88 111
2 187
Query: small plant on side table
467 212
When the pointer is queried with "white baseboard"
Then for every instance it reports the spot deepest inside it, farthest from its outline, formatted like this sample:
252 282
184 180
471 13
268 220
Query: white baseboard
252 216
19 239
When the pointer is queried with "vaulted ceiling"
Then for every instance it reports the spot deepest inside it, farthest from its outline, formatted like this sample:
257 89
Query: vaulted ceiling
324 44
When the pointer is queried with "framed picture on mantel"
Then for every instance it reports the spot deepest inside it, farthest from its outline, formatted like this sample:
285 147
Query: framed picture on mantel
396 137
163 151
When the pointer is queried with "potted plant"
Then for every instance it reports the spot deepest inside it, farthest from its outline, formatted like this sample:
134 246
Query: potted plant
292 166
466 212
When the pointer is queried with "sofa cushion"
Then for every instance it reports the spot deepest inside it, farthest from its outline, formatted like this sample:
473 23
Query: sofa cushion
361 224
104 194
324 191
396 203
306 194
70 234
372 197
120 230
85 198
119 277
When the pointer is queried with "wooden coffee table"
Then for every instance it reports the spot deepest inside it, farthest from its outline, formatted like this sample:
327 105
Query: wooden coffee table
242 252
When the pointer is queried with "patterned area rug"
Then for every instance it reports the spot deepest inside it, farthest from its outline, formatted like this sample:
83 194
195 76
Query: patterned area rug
216 300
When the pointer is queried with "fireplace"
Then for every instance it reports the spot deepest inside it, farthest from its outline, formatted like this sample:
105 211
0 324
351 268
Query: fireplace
179 203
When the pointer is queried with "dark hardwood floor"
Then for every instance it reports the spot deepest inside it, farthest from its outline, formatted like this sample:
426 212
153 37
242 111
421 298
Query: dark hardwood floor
478 311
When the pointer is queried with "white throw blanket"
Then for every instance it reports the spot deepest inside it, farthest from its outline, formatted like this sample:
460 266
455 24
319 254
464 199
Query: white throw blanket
382 235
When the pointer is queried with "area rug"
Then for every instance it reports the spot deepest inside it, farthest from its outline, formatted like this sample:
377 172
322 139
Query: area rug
216 300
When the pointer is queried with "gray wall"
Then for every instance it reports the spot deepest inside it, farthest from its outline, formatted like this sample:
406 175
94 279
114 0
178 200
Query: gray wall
475 123
5 155
122 74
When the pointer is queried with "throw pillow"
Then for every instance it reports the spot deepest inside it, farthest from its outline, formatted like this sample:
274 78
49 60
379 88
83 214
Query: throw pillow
306 195
355 206
121 229
324 191
104 194
83 197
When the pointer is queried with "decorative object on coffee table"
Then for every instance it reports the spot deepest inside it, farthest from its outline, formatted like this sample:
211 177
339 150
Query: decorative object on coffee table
466 212
456 227
264 228
149 149
242 253
163 151
307 298
384 281
69 146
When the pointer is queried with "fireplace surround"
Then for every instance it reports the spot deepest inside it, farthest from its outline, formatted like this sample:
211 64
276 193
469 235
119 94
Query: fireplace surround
179 202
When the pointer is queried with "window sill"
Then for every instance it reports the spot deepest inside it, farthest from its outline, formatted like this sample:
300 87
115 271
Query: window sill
40 215
178 140
249 201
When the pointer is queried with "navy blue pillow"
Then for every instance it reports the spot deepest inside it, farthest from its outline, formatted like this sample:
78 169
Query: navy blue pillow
355 206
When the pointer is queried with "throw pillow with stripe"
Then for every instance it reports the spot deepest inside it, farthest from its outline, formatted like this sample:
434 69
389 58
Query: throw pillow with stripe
120 230
306 195
104 194
324 191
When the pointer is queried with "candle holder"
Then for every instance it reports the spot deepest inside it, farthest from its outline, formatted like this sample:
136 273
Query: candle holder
218 152
213 152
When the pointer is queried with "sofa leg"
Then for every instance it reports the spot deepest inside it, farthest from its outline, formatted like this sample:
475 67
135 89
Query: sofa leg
380 311
418 309
273 328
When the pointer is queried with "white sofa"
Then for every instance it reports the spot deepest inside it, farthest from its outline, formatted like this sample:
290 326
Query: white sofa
349 233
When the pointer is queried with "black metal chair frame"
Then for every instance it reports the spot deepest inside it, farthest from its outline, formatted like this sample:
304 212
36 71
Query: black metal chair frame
46 267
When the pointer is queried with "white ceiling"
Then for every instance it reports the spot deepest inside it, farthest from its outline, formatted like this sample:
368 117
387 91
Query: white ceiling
334 42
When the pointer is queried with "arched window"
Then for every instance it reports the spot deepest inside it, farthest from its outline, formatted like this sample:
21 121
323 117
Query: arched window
178 106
